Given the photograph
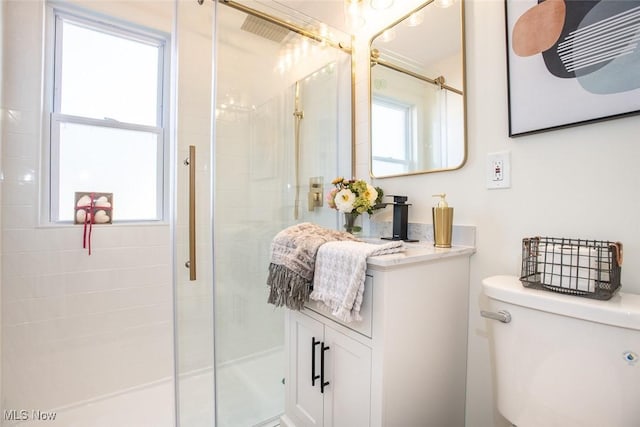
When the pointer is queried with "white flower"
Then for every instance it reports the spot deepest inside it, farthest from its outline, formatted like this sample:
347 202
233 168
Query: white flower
371 194
344 200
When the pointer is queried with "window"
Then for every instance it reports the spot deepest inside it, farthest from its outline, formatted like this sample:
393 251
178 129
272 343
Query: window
108 117
392 132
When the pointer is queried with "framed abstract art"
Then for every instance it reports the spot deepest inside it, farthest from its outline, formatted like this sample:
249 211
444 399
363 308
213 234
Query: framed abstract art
571 62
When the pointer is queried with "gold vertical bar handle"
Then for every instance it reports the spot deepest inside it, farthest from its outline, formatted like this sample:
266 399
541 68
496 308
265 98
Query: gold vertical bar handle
192 213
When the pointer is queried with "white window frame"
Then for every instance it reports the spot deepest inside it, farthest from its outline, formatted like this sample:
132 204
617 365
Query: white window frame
53 118
409 113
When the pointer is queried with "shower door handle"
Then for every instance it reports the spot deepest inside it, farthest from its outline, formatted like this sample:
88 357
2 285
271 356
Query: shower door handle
191 162
314 377
323 383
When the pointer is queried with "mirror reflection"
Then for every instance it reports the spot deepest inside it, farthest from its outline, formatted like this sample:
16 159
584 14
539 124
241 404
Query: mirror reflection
417 93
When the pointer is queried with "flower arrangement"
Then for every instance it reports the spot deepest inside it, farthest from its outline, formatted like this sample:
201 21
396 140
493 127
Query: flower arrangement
354 196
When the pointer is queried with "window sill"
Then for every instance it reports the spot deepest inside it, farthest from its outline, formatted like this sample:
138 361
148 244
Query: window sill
115 224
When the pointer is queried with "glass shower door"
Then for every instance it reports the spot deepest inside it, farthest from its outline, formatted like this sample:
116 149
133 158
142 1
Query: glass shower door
193 299
263 168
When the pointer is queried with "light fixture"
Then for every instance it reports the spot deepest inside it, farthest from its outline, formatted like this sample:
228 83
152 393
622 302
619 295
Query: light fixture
323 29
353 14
380 4
415 18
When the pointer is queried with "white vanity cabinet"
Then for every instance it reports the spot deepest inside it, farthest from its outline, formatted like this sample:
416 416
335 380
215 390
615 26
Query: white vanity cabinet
403 365
329 374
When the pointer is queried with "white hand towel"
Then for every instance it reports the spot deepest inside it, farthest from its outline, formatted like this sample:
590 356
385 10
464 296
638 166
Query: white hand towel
340 274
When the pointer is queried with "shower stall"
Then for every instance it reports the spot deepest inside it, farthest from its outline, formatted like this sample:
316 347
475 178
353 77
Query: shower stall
166 323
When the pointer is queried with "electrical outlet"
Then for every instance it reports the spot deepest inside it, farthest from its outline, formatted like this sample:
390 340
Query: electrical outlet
499 170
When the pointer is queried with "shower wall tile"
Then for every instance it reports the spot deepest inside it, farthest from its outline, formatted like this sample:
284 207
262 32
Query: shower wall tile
21 69
235 166
117 369
19 216
19 145
143 275
20 121
233 199
362 109
19 193
68 317
198 100
362 150
196 121
48 239
24 93
19 240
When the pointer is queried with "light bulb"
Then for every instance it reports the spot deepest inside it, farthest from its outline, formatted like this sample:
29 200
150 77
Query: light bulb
388 35
415 18
444 3
353 13
324 30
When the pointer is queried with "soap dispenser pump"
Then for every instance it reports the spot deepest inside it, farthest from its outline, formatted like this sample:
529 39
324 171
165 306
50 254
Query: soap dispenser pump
442 223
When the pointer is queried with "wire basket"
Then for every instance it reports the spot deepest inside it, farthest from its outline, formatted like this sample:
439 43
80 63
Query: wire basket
588 268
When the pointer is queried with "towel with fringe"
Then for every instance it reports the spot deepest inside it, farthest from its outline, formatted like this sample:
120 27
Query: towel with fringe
293 257
340 274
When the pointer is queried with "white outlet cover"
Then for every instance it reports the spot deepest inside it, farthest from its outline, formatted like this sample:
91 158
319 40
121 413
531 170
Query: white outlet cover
498 170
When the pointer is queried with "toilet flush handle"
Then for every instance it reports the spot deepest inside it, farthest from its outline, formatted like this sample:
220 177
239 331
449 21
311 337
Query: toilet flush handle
503 315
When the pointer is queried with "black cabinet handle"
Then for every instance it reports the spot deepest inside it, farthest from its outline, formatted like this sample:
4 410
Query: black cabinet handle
314 377
323 383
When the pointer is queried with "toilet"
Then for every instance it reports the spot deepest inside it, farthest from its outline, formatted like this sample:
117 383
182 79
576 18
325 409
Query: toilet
563 360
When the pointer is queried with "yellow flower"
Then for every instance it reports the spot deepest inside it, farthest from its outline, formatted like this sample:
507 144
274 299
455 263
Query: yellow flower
371 194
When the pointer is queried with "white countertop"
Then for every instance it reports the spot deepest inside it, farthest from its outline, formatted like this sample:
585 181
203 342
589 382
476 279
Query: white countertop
415 253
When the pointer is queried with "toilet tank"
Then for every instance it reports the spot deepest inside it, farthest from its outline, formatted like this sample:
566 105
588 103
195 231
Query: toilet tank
564 360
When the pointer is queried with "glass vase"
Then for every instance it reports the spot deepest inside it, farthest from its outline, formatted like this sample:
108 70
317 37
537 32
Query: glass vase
350 222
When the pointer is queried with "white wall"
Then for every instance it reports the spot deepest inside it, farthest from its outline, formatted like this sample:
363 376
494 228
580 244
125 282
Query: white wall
577 182
74 326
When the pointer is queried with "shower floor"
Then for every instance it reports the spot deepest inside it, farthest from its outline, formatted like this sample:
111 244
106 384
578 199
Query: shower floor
146 406
251 394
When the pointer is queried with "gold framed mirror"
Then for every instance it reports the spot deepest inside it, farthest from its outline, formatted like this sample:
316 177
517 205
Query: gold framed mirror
417 92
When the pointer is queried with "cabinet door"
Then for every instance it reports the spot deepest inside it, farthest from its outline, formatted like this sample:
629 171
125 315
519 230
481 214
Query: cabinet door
347 398
305 400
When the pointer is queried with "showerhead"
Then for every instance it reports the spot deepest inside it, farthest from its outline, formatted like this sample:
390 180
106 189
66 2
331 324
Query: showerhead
264 29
